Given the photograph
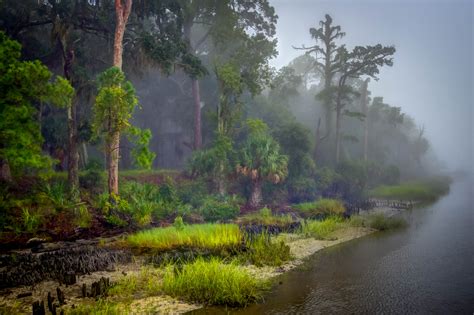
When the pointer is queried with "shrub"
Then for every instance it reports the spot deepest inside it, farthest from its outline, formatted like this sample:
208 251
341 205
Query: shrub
266 217
263 251
322 230
31 220
213 282
93 178
301 189
193 192
200 236
218 208
378 221
83 217
323 206
421 190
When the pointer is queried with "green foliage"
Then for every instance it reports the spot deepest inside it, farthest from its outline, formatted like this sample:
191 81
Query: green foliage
58 194
114 103
141 153
214 163
220 208
323 206
112 111
213 282
261 158
266 217
31 221
301 189
262 251
295 141
93 178
422 190
83 217
322 230
378 221
198 236
22 85
193 192
178 223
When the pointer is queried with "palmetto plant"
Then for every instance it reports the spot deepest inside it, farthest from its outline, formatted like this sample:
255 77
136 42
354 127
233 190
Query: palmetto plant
261 160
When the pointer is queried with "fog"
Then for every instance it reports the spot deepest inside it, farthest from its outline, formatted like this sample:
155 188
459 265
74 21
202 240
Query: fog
432 75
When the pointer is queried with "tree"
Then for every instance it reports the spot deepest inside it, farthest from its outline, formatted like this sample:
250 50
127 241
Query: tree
112 111
261 160
326 48
218 20
66 21
362 60
23 83
126 102
364 102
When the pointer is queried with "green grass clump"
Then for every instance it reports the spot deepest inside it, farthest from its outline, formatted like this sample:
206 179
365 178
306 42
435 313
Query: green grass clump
213 282
321 230
202 236
266 217
378 221
323 206
262 251
422 190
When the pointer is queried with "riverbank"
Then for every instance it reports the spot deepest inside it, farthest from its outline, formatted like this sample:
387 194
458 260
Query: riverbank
12 302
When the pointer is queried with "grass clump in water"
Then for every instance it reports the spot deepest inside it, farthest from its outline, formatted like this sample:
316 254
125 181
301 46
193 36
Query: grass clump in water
378 221
213 282
265 217
201 236
262 251
323 206
422 190
322 230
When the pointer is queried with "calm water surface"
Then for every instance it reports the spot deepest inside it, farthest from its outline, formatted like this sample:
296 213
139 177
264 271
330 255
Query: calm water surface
427 268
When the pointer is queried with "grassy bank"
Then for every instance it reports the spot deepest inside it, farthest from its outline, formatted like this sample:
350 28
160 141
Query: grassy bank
213 282
421 190
200 236
323 206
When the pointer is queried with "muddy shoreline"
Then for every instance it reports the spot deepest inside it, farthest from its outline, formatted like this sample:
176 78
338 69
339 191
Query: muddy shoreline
20 298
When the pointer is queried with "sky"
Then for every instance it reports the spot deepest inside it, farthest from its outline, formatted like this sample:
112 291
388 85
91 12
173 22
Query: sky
432 75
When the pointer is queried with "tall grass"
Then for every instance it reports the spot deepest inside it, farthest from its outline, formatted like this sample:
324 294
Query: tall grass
202 236
263 251
213 282
421 190
322 230
323 206
378 221
266 217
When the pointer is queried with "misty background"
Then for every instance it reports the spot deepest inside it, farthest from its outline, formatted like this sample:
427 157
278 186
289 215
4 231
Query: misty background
432 75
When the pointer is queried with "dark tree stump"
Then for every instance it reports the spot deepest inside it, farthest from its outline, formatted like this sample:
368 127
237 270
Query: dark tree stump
38 308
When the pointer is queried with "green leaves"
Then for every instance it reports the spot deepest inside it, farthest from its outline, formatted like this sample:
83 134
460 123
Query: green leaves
113 110
23 84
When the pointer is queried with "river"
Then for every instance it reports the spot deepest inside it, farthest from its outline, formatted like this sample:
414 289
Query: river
426 268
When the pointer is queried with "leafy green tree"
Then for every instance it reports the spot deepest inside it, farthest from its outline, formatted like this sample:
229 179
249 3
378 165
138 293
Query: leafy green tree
261 160
113 110
23 84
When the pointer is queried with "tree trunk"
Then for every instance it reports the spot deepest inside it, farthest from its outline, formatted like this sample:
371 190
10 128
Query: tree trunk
122 12
197 115
256 194
338 130
5 173
73 155
195 87
113 161
364 108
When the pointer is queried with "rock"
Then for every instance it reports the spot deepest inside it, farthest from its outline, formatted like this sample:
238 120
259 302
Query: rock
35 241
